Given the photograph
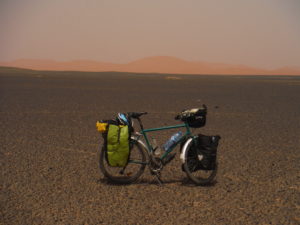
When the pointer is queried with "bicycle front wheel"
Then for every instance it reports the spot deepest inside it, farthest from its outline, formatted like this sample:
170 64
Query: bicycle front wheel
131 172
192 170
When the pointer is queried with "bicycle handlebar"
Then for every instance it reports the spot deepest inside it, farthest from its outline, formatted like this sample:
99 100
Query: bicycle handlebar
182 116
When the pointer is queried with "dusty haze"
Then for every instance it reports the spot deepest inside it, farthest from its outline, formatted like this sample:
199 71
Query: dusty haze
258 33
156 64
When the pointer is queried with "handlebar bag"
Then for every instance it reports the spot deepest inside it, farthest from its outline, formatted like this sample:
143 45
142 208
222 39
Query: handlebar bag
195 118
117 145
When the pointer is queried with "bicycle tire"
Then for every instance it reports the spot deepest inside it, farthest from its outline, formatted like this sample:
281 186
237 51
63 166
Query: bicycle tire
197 176
132 172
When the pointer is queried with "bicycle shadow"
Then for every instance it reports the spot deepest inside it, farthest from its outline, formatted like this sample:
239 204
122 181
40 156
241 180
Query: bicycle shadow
153 181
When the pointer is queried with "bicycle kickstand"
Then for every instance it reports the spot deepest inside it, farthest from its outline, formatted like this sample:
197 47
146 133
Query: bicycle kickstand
157 176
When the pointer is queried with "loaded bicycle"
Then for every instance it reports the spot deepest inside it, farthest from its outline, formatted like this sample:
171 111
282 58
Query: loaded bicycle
198 153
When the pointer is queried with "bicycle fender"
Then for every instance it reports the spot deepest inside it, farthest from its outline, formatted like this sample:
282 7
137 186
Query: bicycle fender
184 148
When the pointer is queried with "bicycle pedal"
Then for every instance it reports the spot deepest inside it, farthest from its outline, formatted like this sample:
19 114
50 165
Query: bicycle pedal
152 173
168 158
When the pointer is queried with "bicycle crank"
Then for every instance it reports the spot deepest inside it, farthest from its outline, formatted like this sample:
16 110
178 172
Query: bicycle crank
155 165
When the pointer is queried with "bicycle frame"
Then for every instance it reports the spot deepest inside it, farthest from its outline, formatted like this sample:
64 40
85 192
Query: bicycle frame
150 147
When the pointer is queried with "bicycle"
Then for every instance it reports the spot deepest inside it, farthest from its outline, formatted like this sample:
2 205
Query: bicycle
142 154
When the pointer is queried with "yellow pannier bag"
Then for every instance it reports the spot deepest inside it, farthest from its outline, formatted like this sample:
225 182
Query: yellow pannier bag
117 145
101 127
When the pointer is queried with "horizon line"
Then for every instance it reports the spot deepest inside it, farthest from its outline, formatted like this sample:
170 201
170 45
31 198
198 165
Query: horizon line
147 57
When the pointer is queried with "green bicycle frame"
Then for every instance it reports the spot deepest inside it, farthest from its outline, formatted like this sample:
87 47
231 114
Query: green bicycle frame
150 147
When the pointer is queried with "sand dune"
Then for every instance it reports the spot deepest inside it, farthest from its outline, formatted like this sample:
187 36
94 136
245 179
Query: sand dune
156 64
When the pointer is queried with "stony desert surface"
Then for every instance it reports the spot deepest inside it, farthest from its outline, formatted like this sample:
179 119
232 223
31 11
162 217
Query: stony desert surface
49 149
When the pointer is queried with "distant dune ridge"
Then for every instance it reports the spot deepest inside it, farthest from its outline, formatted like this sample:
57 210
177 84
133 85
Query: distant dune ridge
155 64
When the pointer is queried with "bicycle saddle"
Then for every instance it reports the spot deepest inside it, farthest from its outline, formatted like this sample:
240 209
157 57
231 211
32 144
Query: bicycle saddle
136 115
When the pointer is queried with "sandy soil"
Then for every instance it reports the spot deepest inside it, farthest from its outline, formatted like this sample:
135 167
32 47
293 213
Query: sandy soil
49 149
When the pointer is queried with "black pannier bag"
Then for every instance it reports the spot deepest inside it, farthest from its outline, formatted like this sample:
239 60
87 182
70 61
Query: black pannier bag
207 151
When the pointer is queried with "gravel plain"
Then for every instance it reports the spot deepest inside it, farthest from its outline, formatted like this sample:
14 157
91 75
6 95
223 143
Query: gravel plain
49 148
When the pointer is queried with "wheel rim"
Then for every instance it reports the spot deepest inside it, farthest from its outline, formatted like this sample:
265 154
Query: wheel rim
132 171
200 174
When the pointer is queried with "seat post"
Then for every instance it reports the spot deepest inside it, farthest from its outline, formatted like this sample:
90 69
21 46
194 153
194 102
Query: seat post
140 122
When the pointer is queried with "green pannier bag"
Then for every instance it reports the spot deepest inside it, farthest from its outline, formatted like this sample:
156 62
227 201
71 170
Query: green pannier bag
117 141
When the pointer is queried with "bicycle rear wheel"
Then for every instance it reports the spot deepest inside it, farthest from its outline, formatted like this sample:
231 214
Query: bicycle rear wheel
192 170
131 172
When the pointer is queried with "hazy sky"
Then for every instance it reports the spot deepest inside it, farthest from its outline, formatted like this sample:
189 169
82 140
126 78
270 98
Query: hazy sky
260 33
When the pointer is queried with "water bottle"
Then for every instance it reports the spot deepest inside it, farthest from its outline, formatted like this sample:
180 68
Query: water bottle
172 141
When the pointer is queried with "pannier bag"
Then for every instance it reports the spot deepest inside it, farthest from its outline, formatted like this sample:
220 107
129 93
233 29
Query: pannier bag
207 151
116 142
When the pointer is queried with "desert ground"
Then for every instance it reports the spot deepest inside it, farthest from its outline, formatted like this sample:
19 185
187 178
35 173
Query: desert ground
50 146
